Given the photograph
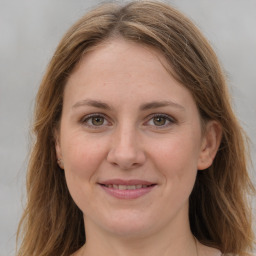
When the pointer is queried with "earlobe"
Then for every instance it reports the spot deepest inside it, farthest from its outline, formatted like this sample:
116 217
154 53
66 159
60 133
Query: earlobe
210 144
58 150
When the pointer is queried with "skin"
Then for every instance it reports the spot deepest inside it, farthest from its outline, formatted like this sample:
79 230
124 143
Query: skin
163 144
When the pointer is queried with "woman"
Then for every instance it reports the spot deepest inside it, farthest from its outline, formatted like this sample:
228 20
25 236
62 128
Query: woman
137 149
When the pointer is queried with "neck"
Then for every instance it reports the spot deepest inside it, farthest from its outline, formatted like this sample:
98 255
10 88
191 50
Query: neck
180 242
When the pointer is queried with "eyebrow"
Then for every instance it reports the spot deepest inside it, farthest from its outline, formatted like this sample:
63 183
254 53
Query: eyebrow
159 104
93 103
144 107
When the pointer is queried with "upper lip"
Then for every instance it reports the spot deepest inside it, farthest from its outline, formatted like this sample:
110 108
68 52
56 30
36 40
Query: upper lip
126 182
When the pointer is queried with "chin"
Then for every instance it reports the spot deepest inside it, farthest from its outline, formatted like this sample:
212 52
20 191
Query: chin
129 225
127 231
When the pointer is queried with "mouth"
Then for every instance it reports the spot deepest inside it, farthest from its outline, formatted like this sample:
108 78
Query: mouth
126 187
131 189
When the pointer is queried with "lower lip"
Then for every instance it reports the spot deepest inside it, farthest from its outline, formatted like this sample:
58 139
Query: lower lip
127 194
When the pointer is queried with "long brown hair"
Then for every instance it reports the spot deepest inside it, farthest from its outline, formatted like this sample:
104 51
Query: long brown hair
219 212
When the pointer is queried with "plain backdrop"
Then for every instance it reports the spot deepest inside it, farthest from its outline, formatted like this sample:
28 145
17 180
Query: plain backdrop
29 33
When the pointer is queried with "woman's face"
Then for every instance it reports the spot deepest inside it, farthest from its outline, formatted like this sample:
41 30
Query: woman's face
130 140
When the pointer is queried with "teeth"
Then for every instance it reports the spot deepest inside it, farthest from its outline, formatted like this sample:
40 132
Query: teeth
126 187
122 187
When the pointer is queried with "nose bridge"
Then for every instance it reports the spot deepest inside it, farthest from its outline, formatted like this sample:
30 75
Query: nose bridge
126 149
125 136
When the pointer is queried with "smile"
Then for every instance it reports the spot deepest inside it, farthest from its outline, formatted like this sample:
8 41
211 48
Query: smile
131 189
126 187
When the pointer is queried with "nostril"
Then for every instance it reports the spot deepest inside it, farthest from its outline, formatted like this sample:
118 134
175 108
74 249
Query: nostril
126 157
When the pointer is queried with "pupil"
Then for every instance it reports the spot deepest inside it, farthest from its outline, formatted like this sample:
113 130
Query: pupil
159 121
97 120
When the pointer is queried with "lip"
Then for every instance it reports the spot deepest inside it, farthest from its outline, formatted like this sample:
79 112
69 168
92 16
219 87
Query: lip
127 193
126 182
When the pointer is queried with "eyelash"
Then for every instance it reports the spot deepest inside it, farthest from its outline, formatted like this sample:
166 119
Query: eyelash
166 117
86 118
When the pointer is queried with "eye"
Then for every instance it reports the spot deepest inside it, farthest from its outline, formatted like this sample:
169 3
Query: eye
160 120
95 121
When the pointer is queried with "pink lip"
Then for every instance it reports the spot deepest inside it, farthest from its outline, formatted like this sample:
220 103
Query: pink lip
126 182
127 194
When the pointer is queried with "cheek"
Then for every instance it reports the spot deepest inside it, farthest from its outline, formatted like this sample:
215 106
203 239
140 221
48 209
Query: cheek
81 155
178 151
82 160
178 165
176 158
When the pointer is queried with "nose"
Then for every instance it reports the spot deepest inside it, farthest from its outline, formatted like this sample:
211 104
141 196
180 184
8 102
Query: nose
126 151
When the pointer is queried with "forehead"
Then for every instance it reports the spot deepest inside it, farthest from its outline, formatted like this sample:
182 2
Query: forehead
120 50
123 68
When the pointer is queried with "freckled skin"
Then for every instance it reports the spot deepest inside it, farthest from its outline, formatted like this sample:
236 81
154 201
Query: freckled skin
129 145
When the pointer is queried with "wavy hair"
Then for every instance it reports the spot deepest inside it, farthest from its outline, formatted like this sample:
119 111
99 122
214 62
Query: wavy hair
219 210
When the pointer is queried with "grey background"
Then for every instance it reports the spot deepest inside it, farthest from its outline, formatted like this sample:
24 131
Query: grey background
29 33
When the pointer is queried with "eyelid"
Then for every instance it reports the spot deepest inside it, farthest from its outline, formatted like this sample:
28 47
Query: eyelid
169 118
85 118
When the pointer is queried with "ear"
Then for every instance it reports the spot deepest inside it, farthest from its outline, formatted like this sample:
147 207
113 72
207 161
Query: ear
210 144
58 149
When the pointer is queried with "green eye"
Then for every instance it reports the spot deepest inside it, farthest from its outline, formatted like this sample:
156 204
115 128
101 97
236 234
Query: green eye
97 120
159 120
